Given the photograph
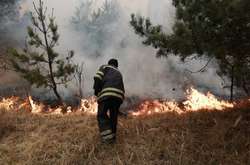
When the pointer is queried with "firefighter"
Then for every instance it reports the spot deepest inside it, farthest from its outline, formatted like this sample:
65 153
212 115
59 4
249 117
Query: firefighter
109 89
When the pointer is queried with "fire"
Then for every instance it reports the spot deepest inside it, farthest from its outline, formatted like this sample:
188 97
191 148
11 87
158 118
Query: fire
194 101
13 103
89 105
156 106
7 103
35 108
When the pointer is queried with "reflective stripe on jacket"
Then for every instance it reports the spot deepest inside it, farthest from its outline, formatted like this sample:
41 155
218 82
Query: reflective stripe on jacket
108 83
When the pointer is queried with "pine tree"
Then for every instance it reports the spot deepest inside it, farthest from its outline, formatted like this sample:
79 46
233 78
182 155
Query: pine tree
217 29
39 63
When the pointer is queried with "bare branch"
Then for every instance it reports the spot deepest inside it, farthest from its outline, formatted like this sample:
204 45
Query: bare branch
39 28
45 11
34 5
202 69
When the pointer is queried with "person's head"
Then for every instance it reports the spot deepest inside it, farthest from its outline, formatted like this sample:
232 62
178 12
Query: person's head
113 62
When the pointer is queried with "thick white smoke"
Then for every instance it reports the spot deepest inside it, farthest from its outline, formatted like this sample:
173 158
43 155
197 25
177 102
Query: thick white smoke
144 74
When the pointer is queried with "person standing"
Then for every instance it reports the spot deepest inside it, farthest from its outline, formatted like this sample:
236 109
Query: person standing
109 89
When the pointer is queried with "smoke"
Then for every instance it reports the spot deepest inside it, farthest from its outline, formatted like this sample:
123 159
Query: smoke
144 74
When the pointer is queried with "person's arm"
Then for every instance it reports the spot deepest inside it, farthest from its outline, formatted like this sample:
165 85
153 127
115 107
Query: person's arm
123 85
97 86
98 81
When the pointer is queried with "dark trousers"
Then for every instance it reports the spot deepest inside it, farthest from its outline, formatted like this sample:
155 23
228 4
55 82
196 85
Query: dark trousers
105 121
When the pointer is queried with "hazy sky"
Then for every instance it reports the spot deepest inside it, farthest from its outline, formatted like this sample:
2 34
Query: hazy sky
158 9
144 75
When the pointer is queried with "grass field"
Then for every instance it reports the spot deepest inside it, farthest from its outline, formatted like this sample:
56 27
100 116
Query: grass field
203 137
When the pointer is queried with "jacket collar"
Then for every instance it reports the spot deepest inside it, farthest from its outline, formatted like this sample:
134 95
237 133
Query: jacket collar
110 66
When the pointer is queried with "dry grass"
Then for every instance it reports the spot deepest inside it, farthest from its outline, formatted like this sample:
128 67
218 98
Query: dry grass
194 138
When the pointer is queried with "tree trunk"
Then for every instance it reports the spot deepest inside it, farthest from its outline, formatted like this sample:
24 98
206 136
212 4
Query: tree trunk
79 73
80 87
244 86
232 85
54 85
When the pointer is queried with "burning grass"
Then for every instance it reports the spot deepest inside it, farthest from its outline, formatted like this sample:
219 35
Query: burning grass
195 137
194 102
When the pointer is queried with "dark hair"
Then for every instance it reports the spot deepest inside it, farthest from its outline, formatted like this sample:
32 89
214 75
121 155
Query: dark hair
113 62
